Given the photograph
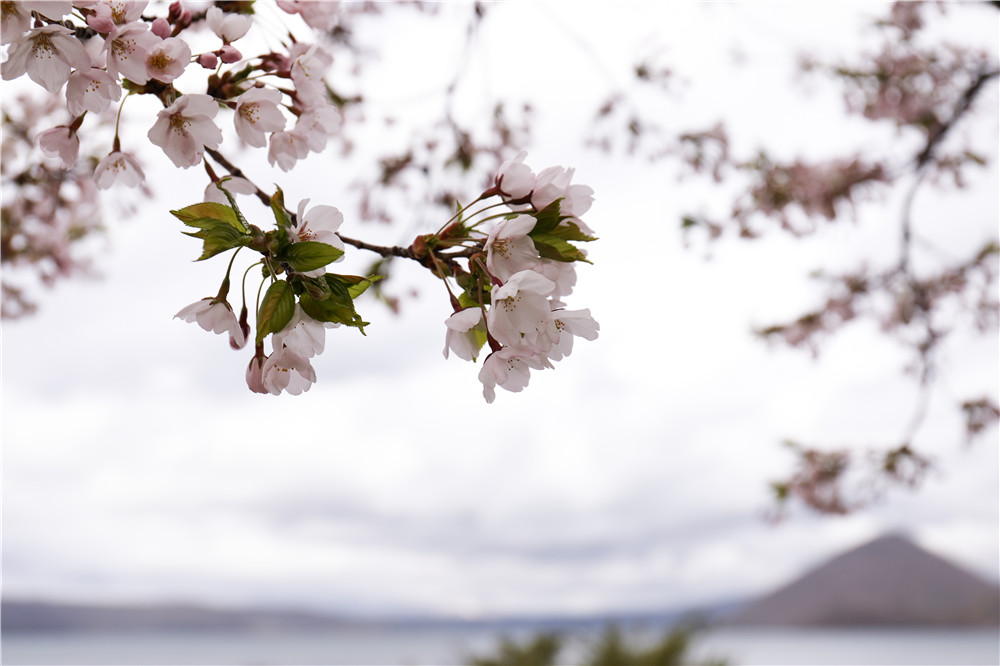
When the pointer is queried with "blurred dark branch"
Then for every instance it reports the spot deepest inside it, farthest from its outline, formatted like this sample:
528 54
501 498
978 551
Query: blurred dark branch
961 107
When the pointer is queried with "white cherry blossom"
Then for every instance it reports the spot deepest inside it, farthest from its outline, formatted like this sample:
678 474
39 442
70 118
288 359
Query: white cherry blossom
572 323
515 178
257 112
110 13
284 370
127 46
91 89
461 337
233 186
317 124
15 20
185 128
309 64
118 167
303 335
521 314
228 26
510 369
215 316
509 248
60 142
167 59
287 148
317 15
47 55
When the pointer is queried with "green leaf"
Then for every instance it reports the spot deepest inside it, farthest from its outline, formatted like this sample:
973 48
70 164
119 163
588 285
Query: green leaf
571 231
218 238
309 255
207 214
221 185
337 306
466 300
357 285
547 219
275 310
553 247
278 208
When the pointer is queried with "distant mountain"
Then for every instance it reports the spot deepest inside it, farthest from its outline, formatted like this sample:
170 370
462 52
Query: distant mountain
886 582
30 616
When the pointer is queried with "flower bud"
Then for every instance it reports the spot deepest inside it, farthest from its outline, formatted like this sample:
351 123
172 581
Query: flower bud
208 60
161 28
229 54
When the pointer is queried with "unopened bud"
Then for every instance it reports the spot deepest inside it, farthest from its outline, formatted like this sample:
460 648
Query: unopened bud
101 24
208 60
161 28
229 54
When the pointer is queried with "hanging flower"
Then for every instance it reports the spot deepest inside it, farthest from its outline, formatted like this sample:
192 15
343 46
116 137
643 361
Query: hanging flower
228 26
61 142
284 370
464 331
91 89
214 315
118 167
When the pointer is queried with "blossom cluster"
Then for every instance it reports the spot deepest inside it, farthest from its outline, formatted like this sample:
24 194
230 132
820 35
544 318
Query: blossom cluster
519 264
116 48
302 300
514 290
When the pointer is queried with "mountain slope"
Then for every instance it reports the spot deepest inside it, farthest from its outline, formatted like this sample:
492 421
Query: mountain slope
888 581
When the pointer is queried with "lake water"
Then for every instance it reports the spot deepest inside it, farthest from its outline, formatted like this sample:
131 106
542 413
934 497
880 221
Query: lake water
453 645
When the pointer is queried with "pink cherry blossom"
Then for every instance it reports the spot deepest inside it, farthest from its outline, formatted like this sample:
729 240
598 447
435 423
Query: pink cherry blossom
47 55
309 64
60 142
185 128
166 60
509 248
233 186
317 123
50 9
515 178
111 13
15 20
284 370
91 90
127 46
215 316
287 148
320 224
317 15
228 26
118 167
257 112
572 323
302 334
462 333
521 314
510 369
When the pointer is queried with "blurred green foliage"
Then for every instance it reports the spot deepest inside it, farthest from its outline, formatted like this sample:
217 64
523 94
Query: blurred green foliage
611 649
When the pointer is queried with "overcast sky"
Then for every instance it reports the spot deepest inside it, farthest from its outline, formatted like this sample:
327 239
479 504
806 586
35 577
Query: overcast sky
138 467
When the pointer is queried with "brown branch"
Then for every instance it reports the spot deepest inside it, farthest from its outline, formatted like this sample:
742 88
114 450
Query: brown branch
964 102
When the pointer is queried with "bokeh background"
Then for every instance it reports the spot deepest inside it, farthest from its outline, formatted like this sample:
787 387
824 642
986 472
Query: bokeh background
137 467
